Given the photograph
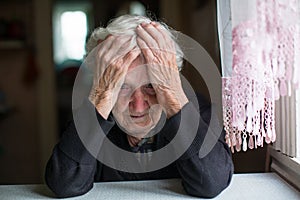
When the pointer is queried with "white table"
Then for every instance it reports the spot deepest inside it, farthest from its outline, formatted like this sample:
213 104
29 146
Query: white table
243 186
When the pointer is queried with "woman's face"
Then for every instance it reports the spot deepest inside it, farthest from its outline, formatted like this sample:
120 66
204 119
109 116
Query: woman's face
137 110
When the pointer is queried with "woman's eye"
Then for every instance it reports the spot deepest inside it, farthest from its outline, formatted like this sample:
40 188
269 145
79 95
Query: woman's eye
149 86
124 86
125 89
149 89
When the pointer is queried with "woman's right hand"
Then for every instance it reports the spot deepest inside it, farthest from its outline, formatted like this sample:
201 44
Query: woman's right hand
113 58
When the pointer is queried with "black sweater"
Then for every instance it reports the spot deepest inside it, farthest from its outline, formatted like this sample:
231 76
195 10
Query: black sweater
72 170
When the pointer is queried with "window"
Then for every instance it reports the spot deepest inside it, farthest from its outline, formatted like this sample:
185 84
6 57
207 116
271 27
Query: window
298 125
70 26
285 152
241 16
73 35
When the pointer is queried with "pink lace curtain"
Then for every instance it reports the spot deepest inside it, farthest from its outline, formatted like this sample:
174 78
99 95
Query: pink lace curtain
260 51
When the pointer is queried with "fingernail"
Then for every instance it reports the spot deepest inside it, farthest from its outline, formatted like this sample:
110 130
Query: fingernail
156 24
108 36
144 24
99 41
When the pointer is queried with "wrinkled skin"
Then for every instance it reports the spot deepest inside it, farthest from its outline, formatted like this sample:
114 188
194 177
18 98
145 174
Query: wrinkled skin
136 85
159 52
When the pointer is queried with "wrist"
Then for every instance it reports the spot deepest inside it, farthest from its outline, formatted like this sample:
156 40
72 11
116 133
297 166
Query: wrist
103 104
173 103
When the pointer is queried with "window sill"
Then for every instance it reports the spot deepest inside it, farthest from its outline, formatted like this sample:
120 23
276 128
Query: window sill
288 168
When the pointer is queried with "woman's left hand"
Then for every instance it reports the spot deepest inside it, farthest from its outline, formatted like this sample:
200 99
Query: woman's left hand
159 51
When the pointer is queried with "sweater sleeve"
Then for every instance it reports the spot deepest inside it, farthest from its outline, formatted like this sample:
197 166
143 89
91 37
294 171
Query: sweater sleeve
202 175
71 168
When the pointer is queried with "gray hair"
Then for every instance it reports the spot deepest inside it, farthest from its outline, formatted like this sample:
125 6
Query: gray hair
126 25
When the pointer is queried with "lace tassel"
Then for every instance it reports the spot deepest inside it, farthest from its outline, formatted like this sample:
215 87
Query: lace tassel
239 142
283 88
244 142
251 142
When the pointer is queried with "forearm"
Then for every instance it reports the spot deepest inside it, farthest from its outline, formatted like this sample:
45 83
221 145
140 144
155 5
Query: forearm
208 173
71 168
206 167
66 177
208 176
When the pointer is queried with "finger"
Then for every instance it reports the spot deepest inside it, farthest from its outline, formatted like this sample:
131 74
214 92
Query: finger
147 52
111 46
105 45
102 49
119 47
131 56
117 44
161 29
145 35
122 45
121 66
154 32
160 33
157 33
119 71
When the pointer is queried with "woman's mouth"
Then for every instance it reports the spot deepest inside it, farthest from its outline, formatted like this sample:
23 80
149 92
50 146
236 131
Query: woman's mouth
140 119
137 116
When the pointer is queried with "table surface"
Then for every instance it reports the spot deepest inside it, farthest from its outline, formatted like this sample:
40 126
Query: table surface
243 186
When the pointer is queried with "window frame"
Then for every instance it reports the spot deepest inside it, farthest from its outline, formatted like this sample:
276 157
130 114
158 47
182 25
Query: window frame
288 167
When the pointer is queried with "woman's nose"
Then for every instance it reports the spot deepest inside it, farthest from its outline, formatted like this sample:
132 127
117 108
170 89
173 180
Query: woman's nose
138 101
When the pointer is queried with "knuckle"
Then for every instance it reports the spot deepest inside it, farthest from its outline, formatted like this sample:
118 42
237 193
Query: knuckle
109 37
106 60
118 40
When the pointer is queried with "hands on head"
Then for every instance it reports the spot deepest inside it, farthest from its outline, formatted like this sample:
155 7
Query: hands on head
160 55
137 83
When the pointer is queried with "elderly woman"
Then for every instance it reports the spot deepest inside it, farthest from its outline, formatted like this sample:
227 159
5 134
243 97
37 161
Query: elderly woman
139 100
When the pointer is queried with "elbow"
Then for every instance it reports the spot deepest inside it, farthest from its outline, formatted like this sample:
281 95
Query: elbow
209 188
57 191
65 190
63 185
54 185
205 191
208 195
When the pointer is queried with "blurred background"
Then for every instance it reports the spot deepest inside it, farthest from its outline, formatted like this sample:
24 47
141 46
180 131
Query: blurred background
41 48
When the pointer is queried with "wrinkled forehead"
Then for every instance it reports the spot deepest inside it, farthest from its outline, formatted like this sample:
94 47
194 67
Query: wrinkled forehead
137 72
139 61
